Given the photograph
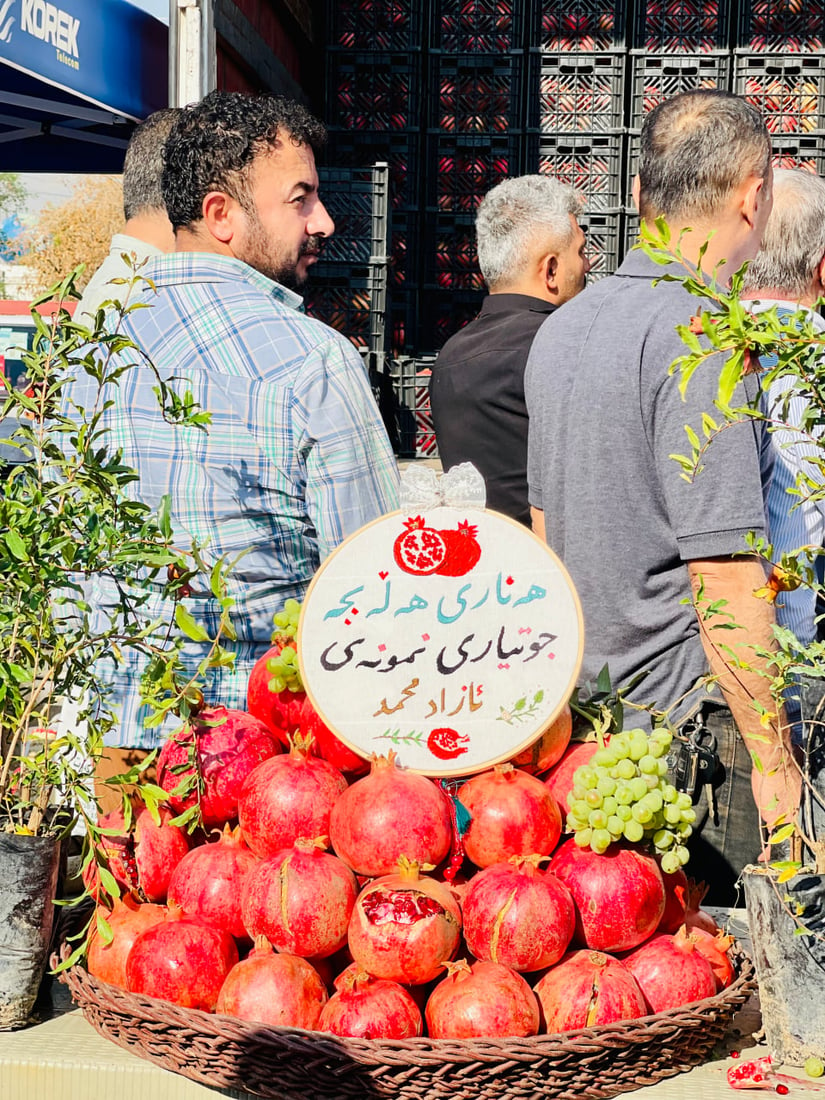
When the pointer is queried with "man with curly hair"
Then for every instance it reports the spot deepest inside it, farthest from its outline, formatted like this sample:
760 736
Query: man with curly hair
296 456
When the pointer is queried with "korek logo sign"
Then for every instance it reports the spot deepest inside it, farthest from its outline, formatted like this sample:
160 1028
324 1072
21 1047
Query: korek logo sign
46 22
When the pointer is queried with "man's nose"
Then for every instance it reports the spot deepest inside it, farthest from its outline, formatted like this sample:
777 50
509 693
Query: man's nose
320 224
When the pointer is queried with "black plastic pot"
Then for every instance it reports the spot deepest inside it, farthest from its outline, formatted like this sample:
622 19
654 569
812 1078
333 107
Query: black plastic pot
28 878
790 968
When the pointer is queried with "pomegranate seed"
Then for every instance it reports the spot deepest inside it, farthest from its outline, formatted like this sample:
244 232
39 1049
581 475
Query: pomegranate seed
734 1054
783 1090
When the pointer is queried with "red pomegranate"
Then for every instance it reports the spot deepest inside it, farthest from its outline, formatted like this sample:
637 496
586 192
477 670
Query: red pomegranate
364 1007
279 990
207 882
513 814
676 885
128 918
716 949
419 549
619 895
226 746
549 748
671 972
181 960
404 927
518 915
286 712
560 780
142 857
388 814
481 1000
588 988
286 797
463 550
280 711
301 899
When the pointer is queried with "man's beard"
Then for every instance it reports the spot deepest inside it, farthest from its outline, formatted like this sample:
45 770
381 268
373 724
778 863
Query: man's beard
261 252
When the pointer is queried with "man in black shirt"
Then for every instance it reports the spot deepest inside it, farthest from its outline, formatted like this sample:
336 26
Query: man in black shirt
532 254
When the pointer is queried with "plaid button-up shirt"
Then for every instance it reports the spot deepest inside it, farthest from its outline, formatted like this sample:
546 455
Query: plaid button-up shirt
295 458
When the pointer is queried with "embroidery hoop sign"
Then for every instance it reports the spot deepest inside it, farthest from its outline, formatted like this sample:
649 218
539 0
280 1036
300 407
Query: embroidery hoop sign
452 636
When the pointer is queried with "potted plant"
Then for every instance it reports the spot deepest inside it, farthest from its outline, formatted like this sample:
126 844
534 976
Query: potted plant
70 511
785 897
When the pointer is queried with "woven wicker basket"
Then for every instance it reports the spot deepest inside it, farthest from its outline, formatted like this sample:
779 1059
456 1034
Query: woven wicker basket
291 1064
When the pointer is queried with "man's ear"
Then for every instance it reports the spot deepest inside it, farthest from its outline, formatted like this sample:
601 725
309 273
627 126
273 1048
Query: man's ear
221 216
635 191
550 271
752 196
820 274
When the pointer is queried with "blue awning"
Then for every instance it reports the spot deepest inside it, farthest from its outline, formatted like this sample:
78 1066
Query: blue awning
76 71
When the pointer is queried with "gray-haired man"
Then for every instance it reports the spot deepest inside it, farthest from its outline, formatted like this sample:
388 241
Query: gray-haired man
641 543
147 230
788 273
531 251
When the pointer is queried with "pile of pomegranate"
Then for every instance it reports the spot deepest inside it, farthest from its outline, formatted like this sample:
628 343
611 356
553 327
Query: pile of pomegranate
318 897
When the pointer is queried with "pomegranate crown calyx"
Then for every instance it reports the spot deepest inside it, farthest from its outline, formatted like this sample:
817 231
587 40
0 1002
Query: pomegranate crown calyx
300 744
530 864
312 843
409 869
458 969
415 523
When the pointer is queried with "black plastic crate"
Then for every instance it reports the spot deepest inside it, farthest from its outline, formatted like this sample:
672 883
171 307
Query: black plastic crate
603 241
577 26
373 91
682 26
475 94
590 164
347 193
789 92
401 151
781 26
803 152
578 93
476 26
411 382
450 260
366 25
404 249
343 302
464 167
656 78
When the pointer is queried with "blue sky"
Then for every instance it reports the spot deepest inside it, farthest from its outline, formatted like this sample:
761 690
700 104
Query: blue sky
158 8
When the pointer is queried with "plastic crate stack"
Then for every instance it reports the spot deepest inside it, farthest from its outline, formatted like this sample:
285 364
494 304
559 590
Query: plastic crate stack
575 120
348 286
779 65
476 90
375 111
678 45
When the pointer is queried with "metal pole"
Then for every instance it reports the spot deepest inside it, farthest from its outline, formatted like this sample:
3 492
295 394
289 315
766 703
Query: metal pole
192 68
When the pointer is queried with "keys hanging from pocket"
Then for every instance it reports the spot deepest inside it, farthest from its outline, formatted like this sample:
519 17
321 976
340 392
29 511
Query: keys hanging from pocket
695 764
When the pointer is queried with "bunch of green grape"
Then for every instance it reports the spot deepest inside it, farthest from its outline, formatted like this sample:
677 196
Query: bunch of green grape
623 793
283 666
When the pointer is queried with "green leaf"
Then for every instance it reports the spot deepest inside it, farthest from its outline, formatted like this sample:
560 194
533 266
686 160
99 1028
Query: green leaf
164 516
537 698
16 545
782 834
188 625
520 704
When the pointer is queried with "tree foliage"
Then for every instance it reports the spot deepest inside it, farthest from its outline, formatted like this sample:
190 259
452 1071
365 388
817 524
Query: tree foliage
70 514
74 233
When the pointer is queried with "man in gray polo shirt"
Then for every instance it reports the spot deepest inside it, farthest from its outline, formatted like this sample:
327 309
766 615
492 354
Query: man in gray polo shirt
639 540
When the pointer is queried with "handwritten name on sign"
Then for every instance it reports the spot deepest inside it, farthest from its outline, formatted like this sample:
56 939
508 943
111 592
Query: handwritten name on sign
453 637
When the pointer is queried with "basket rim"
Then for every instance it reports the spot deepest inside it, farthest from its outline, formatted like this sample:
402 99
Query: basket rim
85 988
